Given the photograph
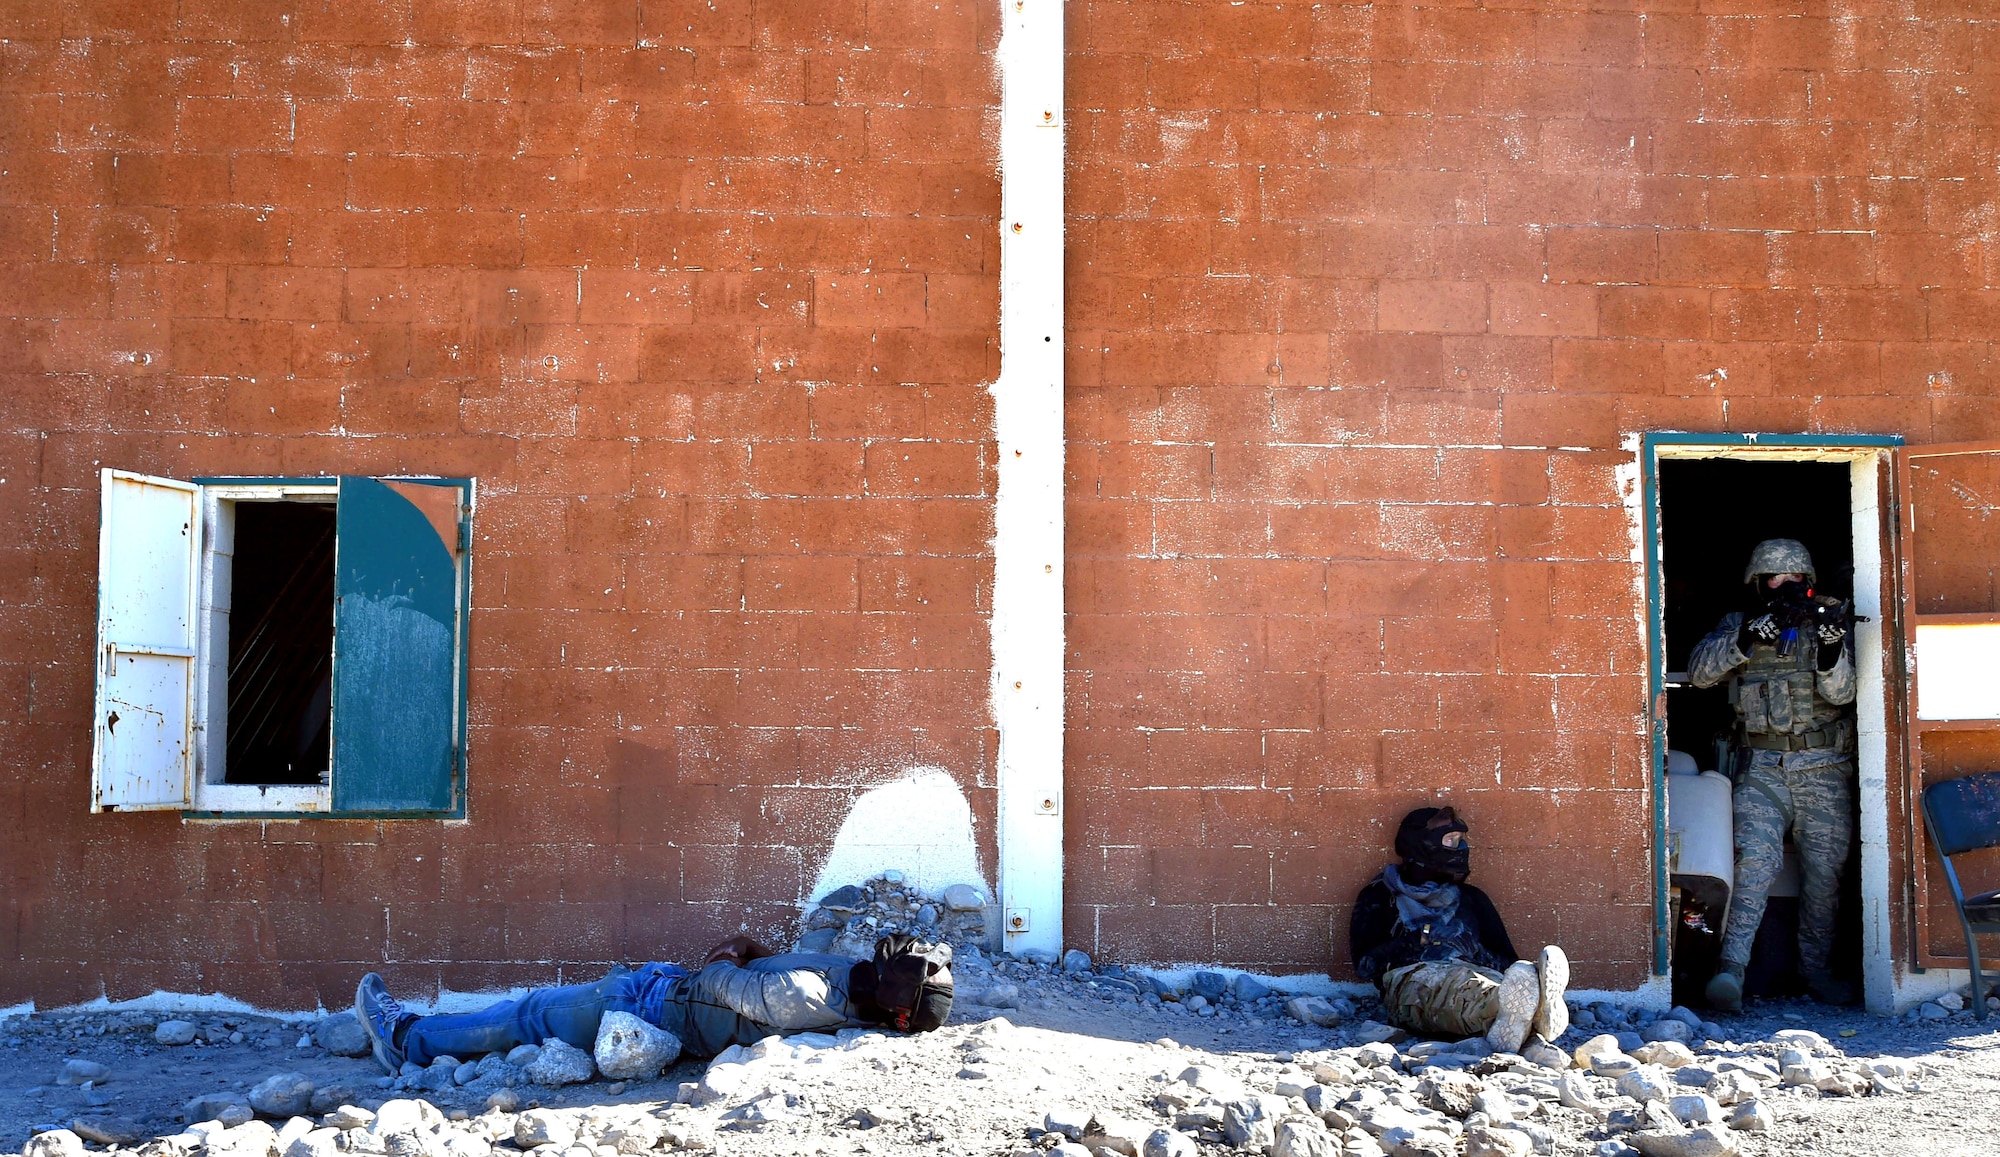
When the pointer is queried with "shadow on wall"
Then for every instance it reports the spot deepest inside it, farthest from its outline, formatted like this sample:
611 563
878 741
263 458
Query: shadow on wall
920 825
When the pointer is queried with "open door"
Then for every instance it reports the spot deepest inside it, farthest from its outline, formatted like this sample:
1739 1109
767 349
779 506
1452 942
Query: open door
149 543
397 646
1950 530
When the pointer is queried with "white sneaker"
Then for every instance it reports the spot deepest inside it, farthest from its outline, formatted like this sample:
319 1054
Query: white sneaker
1520 994
1552 1017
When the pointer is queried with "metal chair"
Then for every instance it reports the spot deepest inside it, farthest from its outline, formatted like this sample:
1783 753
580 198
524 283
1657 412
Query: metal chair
1963 815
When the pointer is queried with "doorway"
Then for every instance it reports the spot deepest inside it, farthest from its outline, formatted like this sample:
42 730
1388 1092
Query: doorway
1713 512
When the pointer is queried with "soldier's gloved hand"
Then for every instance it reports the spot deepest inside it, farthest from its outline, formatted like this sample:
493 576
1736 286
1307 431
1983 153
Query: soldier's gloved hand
1763 628
1831 631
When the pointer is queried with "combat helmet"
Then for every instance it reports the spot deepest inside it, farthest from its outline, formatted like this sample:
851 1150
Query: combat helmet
1780 556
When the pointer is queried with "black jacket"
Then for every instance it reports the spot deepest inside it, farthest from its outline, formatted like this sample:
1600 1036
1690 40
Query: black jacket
1378 947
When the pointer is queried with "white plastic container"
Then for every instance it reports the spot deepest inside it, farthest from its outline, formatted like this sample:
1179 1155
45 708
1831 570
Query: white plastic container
1701 838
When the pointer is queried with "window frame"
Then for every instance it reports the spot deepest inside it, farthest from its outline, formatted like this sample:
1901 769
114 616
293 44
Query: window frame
206 735
211 796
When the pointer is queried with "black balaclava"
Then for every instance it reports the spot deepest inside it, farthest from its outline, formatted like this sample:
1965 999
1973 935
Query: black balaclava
1421 842
908 985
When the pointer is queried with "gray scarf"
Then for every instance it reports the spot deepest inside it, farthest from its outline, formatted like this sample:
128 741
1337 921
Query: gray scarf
1435 904
1430 912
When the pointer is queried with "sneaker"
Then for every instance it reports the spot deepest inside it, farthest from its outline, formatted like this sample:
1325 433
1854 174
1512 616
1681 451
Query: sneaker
1520 993
1822 985
1725 988
380 1016
1552 1017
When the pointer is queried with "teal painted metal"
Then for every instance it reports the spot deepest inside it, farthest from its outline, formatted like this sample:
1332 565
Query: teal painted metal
1752 441
1656 657
398 663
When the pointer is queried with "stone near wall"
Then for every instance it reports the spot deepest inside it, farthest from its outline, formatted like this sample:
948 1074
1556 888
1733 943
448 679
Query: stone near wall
282 1095
630 1049
342 1036
108 1130
559 1064
229 1108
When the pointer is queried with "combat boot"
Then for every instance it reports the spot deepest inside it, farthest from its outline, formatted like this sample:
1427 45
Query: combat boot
1725 988
1822 985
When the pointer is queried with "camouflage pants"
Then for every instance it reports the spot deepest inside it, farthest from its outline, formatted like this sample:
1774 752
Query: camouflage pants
1449 1000
1815 802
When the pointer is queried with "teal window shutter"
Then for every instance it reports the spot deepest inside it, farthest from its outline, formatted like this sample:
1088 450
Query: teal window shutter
399 618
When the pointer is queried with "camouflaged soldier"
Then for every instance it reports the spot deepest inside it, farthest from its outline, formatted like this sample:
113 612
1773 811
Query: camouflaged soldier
1790 665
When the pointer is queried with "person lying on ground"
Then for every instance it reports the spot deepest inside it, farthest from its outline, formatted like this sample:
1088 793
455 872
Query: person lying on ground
742 993
1436 948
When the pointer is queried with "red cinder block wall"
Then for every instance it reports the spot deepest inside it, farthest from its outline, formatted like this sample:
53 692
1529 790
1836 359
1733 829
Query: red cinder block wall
703 295
1363 300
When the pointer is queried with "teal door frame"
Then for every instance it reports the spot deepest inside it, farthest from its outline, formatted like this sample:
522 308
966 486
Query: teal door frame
1650 445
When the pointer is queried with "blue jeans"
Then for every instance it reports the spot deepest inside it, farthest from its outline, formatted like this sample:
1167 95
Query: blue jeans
569 1013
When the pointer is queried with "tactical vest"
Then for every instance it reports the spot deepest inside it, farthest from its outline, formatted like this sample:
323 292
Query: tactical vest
1777 701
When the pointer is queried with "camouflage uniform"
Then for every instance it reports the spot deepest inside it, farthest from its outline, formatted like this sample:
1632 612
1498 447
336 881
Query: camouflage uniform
1799 725
1442 998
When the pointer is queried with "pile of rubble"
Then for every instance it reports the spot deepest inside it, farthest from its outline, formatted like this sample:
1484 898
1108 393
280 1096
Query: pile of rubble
848 920
1436 1099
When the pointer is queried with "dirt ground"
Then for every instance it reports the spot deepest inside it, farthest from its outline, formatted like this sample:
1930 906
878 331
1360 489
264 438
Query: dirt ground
980 1086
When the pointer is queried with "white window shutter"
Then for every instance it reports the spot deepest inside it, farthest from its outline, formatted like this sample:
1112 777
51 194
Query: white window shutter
149 545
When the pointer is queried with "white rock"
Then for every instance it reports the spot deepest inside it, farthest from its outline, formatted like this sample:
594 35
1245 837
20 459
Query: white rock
1706 1141
1246 1125
174 1032
456 1144
1753 1117
1696 1109
1314 1010
1068 1120
77 1071
229 1108
1595 1046
1952 1002
630 1049
722 1080
1806 1074
1168 1143
1667 1029
538 1127
1481 1141
55 1143
1540 1052
405 1117
1805 1040
1298 1139
1613 1065
521 1056
291 1131
250 1139
559 1064
1734 1087
283 1095
1573 1091
1667 1054
316 1143
349 1117
1645 1084
964 898
1118 1134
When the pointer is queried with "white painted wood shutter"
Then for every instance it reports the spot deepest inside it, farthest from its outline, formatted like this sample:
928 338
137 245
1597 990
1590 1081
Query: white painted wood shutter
149 545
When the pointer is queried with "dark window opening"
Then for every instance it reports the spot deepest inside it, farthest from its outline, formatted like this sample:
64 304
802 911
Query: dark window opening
1712 513
280 643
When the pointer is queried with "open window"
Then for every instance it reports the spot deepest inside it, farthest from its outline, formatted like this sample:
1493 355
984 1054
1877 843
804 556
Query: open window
282 646
1950 533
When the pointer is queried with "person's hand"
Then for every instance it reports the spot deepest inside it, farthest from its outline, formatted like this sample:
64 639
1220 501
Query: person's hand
1763 628
1831 631
738 950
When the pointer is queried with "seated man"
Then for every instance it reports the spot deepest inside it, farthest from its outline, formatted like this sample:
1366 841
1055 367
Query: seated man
743 993
1435 946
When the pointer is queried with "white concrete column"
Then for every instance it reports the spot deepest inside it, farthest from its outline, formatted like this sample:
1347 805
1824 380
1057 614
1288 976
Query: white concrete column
1028 513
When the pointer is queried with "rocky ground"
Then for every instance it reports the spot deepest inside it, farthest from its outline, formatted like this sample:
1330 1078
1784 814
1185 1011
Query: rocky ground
1040 1057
